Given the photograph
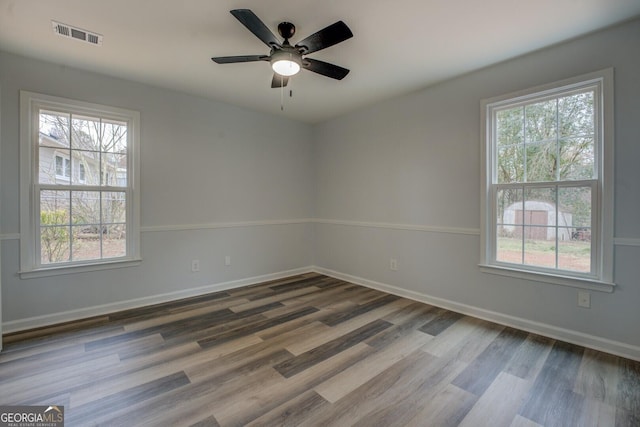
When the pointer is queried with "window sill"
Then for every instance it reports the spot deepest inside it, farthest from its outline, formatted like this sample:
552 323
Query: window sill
556 279
80 268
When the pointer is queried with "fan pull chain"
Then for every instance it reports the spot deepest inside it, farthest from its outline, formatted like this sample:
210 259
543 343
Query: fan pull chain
281 93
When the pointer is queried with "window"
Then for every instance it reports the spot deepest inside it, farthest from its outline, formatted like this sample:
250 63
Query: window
547 182
77 216
63 168
82 173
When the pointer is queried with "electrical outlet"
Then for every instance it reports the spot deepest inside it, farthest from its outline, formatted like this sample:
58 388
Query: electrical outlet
195 265
393 264
227 260
584 299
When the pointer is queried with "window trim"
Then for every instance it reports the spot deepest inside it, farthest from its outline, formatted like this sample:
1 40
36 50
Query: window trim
603 279
30 104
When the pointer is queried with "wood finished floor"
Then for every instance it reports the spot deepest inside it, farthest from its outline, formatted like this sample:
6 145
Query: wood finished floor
312 351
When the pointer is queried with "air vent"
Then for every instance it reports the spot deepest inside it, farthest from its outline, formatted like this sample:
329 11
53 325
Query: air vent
68 31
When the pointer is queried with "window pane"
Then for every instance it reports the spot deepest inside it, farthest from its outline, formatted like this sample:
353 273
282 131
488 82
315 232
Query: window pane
114 241
539 207
541 161
509 248
509 126
576 115
54 207
575 203
114 206
85 133
540 246
114 137
114 168
577 158
54 244
86 243
540 122
574 254
86 168
85 208
510 202
510 164
54 129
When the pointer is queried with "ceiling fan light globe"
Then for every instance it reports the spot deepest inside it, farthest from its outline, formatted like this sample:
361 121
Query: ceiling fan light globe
285 67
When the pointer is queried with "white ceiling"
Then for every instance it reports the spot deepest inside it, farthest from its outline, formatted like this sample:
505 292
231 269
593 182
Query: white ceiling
398 46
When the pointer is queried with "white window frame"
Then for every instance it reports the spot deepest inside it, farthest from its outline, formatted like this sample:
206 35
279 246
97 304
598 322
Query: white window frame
30 105
601 277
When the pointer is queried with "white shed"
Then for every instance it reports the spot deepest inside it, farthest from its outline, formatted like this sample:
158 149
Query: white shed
540 215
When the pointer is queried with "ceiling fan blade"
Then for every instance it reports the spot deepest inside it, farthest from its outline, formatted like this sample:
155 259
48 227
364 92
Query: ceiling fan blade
256 26
324 68
279 81
333 34
234 59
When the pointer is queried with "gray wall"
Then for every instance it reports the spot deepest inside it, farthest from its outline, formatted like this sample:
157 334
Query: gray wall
202 163
415 160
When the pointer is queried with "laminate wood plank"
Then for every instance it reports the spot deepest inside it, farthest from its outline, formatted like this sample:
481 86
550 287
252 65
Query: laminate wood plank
264 399
162 309
282 298
440 323
598 377
292 412
528 359
53 341
215 367
339 386
254 327
629 386
407 327
26 387
120 378
86 413
411 311
498 405
596 413
314 356
207 422
472 345
413 379
445 409
188 405
454 336
307 343
338 317
625 418
55 332
31 363
480 373
551 400
185 312
520 421
281 289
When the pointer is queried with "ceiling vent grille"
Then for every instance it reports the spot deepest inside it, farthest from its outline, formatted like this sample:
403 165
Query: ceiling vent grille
68 31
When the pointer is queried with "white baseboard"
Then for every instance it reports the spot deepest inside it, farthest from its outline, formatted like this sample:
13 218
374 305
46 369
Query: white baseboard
597 343
99 310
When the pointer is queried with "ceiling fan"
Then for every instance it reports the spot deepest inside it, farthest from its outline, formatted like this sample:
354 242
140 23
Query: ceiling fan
287 60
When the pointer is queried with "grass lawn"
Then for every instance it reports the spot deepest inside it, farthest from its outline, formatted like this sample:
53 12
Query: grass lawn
572 255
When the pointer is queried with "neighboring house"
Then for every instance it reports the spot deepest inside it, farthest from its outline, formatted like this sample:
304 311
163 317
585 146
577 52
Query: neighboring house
60 165
540 215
